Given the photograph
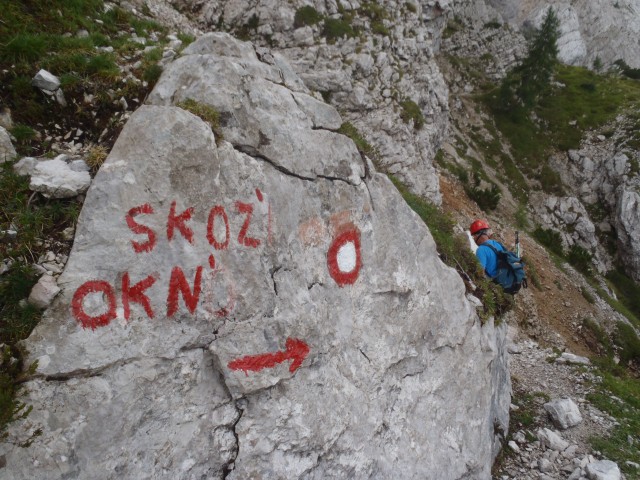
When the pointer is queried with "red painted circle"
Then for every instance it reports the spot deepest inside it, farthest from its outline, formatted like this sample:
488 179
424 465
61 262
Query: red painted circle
340 277
95 286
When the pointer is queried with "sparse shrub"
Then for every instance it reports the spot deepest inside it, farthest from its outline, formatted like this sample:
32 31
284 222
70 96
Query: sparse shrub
495 24
96 156
597 64
627 290
587 296
411 111
551 239
486 198
627 70
580 258
306 15
335 28
379 29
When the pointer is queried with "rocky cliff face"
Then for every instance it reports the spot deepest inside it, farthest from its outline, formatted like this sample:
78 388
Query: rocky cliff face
262 305
590 29
371 77
597 211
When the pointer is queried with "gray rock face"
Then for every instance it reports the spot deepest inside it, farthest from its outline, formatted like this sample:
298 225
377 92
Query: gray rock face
628 226
273 315
368 79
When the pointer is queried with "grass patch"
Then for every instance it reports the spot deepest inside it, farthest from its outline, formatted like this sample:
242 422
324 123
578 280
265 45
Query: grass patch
619 396
579 100
363 146
33 216
411 112
206 113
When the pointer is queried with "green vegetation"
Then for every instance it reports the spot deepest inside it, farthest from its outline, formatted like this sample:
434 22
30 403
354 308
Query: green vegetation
376 13
619 396
627 70
306 15
494 24
452 27
411 112
486 198
626 290
454 251
81 43
550 239
577 256
363 146
537 115
581 259
526 83
206 113
335 28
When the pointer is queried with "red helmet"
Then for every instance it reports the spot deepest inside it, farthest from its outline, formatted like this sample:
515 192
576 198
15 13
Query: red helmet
478 225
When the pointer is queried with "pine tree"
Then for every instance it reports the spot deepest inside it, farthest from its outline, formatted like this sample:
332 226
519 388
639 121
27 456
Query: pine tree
524 84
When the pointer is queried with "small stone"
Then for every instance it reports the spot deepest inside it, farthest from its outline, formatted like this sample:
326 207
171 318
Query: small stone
514 446
44 292
563 412
46 81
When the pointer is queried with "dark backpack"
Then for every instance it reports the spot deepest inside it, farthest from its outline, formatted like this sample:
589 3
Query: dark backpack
511 275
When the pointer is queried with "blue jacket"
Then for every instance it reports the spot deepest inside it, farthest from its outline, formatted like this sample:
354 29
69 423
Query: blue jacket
488 258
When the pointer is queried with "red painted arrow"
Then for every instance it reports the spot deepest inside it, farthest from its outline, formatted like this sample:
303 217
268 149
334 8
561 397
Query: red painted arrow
296 350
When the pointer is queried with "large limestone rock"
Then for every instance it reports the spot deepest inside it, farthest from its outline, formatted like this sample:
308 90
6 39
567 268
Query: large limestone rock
262 307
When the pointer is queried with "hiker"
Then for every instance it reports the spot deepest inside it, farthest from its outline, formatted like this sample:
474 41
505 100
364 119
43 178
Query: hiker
488 258
503 267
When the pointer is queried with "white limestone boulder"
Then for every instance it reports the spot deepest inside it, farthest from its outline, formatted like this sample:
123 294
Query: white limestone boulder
277 315
563 412
55 179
